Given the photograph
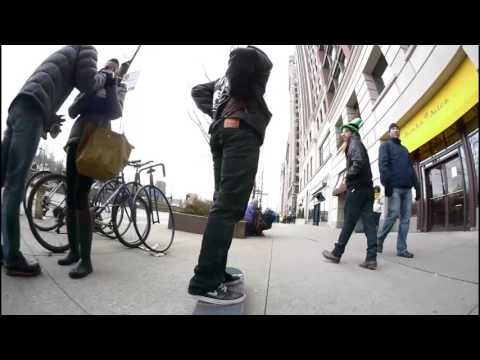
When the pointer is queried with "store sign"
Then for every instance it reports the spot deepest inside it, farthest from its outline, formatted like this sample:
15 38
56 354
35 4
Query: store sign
457 96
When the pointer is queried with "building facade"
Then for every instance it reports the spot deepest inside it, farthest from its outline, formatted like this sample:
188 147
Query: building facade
290 168
430 91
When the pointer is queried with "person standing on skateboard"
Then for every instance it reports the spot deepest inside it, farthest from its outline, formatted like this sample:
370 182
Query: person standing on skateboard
239 119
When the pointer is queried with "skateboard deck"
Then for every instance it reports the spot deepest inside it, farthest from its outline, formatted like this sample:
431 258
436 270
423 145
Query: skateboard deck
202 308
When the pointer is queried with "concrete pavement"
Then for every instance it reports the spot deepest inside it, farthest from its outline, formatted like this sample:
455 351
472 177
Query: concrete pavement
286 274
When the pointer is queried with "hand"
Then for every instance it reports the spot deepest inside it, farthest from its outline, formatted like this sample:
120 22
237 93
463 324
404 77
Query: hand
388 190
59 119
417 195
110 79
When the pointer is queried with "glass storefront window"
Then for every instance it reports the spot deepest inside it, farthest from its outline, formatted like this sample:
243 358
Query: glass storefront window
473 139
454 176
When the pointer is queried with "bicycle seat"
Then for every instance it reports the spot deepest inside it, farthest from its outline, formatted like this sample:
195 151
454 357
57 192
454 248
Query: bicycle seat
151 171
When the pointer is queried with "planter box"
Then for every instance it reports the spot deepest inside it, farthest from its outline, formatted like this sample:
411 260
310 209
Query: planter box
197 224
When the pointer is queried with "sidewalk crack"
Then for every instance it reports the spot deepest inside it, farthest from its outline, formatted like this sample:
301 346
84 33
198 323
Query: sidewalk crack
433 272
268 281
473 309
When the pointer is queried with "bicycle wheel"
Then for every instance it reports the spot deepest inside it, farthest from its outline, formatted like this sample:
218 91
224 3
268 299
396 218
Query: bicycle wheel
161 216
46 209
103 201
30 182
125 210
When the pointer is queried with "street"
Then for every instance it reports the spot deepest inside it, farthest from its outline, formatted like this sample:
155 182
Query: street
285 275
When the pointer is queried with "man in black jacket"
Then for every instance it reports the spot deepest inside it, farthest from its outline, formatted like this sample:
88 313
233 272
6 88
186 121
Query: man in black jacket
398 177
31 114
240 116
360 195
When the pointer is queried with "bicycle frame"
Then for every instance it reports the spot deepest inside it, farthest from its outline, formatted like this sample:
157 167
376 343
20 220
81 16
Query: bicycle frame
150 170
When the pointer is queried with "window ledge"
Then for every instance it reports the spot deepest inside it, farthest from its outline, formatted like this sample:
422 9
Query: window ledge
383 93
409 52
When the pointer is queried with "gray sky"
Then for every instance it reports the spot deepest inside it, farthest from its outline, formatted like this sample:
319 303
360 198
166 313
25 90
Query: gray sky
155 113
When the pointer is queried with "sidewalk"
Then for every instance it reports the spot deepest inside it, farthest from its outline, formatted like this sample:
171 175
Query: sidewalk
286 274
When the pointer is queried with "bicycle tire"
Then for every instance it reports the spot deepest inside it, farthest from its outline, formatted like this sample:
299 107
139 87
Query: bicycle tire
110 185
33 227
42 174
143 191
29 183
124 204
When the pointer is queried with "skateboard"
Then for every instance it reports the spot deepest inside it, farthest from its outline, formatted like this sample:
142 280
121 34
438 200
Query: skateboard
202 308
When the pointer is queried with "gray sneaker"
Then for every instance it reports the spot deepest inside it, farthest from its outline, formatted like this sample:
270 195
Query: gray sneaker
232 280
222 295
406 254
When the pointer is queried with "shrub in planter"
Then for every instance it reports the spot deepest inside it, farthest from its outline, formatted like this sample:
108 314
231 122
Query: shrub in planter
197 207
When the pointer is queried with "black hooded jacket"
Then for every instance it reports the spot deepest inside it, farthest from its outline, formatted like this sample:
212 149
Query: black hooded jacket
359 173
73 66
245 80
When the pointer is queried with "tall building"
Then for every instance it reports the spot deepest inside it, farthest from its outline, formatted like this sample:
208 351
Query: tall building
162 186
290 168
430 91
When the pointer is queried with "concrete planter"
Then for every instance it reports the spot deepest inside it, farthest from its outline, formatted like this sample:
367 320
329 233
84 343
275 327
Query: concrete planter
197 224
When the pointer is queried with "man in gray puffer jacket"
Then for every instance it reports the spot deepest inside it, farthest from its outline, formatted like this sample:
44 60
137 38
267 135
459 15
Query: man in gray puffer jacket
31 114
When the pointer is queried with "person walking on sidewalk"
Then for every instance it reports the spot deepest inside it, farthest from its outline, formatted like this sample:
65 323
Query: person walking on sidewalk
398 178
32 114
359 201
96 110
240 117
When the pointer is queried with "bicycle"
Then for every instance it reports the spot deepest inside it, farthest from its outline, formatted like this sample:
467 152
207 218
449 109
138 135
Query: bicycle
49 211
158 204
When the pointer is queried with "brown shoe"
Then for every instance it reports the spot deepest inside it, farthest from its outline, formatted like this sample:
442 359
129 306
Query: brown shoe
369 264
329 255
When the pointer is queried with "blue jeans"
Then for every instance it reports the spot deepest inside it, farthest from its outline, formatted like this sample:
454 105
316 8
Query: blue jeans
19 145
399 205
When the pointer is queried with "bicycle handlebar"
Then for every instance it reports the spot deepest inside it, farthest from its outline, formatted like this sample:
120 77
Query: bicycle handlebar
153 166
136 163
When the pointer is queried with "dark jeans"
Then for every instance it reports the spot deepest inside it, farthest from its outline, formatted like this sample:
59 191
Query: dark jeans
377 220
235 159
19 145
359 204
78 186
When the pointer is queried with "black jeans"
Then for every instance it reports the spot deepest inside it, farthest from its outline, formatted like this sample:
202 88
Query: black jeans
235 160
359 204
78 186
19 144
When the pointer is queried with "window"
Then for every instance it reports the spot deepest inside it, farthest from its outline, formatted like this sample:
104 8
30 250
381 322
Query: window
338 132
353 110
324 152
338 75
473 139
341 60
381 74
333 52
377 73
331 92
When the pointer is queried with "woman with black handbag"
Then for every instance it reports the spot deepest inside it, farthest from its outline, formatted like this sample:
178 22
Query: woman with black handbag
96 110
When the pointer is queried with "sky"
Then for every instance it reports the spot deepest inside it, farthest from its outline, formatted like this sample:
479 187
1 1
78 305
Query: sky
155 115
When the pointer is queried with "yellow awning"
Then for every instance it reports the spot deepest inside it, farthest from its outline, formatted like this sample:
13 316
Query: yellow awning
457 96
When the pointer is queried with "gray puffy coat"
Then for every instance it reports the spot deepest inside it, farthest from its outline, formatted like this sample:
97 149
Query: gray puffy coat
73 66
